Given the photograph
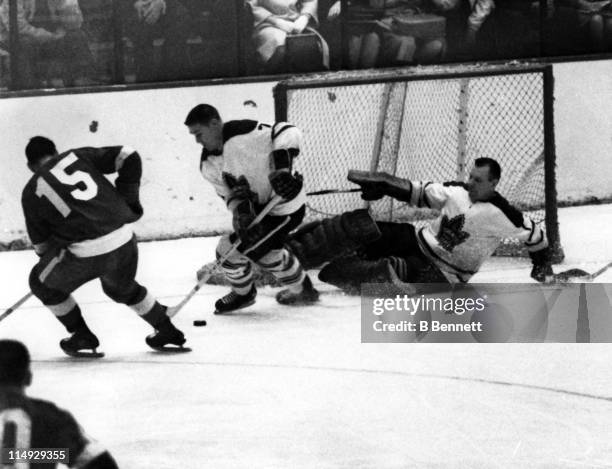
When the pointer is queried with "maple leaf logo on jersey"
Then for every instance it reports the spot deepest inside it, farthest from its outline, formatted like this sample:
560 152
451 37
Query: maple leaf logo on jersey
451 232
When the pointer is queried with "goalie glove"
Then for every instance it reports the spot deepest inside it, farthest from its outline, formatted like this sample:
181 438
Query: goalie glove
542 268
285 184
375 185
130 192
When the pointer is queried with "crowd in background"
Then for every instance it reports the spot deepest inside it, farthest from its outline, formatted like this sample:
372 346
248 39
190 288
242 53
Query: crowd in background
63 43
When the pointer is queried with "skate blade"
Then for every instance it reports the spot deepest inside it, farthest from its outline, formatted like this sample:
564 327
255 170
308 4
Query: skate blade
80 354
180 349
250 303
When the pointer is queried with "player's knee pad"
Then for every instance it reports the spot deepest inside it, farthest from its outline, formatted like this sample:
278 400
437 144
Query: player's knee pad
322 241
274 260
225 247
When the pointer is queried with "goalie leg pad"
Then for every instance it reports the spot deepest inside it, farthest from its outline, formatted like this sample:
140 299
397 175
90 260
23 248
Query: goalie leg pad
349 273
321 241
359 226
397 273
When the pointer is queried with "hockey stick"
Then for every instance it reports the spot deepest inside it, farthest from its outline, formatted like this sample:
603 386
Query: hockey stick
25 298
333 191
16 305
173 310
579 274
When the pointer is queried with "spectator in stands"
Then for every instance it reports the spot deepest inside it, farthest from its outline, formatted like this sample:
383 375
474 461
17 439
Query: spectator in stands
331 30
147 20
362 30
480 10
48 29
380 32
593 18
516 30
274 21
466 34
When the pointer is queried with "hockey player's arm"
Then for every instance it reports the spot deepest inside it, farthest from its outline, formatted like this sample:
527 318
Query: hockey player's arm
286 140
241 202
535 240
84 453
126 162
37 228
539 251
422 194
102 461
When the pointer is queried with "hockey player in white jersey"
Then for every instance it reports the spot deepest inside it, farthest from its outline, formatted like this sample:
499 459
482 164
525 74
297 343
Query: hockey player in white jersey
248 163
474 219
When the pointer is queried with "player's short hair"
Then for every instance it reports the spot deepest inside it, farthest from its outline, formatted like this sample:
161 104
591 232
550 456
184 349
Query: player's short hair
202 114
38 147
14 362
494 167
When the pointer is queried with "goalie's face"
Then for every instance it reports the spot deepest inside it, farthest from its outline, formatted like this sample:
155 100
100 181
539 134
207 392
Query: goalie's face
480 185
210 136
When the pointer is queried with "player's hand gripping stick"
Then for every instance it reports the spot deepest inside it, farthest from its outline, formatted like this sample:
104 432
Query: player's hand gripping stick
173 310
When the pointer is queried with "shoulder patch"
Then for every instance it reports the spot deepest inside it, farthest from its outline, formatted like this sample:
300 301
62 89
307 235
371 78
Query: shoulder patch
512 213
239 127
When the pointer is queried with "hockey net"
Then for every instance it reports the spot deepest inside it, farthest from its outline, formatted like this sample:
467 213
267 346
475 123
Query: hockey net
427 124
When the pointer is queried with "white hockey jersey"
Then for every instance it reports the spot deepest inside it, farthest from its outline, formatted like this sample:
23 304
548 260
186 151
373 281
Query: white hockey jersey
247 150
467 233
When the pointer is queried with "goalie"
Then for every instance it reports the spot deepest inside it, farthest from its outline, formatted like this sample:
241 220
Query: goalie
474 219
248 163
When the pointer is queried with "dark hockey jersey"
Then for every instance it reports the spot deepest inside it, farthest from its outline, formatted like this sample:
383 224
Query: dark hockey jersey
33 423
69 200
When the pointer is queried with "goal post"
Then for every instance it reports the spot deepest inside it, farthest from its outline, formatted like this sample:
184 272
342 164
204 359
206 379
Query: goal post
427 123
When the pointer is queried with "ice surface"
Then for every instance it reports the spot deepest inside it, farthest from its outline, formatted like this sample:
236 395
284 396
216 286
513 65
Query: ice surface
280 387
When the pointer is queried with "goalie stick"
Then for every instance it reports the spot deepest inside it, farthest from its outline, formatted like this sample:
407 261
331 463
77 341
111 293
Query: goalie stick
333 191
173 310
579 274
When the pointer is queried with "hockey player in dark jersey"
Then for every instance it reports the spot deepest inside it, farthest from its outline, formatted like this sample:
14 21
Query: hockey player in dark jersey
474 219
27 423
79 224
248 163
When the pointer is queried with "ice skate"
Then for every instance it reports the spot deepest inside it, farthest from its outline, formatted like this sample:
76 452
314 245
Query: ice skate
167 338
81 344
233 301
307 296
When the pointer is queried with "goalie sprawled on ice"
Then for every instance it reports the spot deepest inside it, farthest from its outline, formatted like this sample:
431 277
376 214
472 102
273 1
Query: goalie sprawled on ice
473 221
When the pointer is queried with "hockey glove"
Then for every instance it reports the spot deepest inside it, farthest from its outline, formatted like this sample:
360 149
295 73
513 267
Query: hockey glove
285 184
239 187
372 187
375 185
130 192
542 269
244 214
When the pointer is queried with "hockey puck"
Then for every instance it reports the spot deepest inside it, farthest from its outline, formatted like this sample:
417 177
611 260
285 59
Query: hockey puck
199 322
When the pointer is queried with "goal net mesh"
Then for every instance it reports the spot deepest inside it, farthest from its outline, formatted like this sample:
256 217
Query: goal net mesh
425 125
